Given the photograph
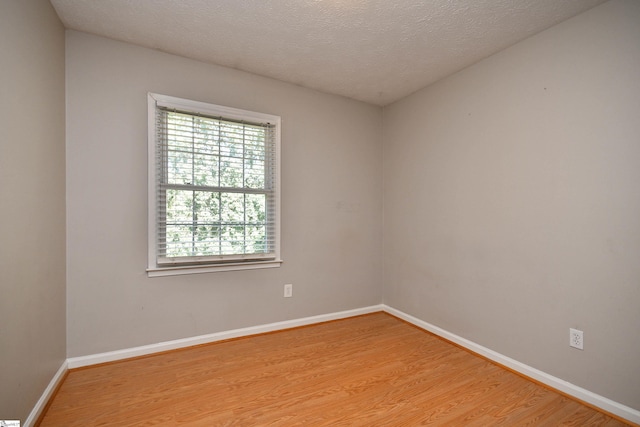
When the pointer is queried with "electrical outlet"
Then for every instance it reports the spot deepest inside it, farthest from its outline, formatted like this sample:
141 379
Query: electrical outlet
288 290
576 339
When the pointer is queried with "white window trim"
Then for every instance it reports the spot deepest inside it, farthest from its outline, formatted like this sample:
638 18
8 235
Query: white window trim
154 100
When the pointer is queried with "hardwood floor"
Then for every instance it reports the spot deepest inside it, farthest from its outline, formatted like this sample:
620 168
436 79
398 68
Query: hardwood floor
372 370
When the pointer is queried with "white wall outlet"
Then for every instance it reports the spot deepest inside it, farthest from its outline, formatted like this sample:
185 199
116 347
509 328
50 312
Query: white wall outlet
288 290
576 339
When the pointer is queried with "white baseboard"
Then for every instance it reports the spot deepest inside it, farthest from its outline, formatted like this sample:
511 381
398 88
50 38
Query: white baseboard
111 356
594 399
46 396
580 393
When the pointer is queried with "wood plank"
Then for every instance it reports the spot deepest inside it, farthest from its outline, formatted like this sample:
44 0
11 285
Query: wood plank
367 370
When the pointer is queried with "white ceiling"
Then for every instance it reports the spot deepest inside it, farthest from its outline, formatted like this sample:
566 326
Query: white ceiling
376 51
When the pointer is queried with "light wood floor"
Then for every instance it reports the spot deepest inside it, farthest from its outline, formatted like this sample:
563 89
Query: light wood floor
372 370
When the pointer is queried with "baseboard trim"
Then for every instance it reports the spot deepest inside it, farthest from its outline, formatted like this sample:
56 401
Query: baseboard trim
601 402
563 386
112 356
40 406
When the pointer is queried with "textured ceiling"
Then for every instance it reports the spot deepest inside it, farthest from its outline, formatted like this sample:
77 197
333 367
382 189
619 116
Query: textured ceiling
376 51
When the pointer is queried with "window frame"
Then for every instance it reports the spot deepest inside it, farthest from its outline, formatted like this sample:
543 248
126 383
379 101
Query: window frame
155 269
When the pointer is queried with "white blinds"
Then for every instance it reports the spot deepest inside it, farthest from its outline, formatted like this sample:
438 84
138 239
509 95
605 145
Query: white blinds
215 188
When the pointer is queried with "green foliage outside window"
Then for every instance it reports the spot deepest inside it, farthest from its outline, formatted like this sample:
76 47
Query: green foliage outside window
213 186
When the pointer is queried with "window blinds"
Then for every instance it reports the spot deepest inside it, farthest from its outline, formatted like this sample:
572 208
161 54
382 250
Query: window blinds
215 189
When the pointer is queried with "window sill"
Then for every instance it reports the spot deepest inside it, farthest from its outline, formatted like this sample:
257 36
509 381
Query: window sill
209 268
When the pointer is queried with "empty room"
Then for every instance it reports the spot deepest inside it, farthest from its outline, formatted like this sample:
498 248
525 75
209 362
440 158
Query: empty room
319 213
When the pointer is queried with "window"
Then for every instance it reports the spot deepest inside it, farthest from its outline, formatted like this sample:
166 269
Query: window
213 187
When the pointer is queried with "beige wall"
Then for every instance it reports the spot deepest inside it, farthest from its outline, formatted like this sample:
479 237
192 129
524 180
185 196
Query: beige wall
512 201
331 202
32 203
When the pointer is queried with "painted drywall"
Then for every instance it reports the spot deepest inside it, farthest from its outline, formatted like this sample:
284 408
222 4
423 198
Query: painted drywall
331 202
32 203
512 201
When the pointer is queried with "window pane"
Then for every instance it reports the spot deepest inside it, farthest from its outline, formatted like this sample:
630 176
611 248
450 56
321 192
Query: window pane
179 148
201 223
207 207
230 172
179 241
232 239
208 135
254 173
205 170
231 139
179 131
232 208
206 240
255 209
179 206
256 239
179 167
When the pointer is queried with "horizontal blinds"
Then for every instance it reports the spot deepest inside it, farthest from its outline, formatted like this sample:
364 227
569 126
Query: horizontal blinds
215 188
